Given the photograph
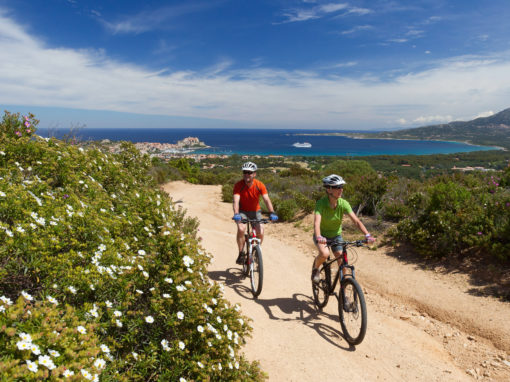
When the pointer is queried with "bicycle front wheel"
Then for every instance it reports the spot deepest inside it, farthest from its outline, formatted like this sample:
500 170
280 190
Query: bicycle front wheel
321 289
352 310
256 271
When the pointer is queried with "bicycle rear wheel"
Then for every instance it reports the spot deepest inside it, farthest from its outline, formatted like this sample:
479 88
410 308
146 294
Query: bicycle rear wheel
321 289
352 310
256 271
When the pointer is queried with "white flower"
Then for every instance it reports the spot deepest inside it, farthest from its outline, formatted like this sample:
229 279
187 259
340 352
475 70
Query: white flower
45 360
20 229
25 337
180 315
181 345
214 301
32 366
86 374
26 296
169 280
241 321
108 304
135 355
187 261
139 291
200 328
117 313
99 363
149 319
118 323
218 318
237 365
102 247
52 300
141 252
23 345
104 348
166 295
68 373
2 194
2 309
72 289
219 366
81 329
54 353
6 300
35 349
200 364
164 343
182 379
145 274
9 233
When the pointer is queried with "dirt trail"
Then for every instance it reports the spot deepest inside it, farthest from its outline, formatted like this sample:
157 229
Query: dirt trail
422 325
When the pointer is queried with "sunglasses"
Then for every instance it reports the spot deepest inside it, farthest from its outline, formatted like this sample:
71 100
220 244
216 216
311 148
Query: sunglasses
334 187
248 172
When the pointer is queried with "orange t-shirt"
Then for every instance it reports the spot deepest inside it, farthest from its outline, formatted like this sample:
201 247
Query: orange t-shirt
249 196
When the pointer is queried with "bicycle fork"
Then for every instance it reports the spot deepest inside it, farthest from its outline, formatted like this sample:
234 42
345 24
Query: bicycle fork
252 242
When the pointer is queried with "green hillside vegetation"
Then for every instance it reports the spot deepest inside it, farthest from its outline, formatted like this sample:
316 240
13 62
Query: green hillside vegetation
101 276
487 131
440 213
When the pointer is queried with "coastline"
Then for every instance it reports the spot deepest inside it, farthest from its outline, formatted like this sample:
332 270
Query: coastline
362 136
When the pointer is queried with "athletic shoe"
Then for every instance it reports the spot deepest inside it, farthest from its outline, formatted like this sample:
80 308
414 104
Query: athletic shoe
316 276
240 258
349 306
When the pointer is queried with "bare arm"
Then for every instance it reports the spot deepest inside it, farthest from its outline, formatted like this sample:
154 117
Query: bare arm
235 203
268 203
358 222
317 225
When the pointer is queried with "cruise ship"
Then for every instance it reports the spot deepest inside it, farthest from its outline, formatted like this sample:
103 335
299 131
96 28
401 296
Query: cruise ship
305 145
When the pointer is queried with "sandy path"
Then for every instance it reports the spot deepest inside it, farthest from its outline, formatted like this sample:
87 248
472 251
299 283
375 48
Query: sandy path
422 326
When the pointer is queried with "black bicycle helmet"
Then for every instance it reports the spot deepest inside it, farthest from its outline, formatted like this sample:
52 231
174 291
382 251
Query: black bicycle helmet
333 180
249 166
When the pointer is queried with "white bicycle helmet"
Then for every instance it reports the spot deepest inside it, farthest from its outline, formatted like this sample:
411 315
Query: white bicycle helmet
333 180
249 166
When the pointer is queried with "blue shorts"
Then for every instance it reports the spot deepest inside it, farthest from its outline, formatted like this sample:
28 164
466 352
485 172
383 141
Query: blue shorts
334 248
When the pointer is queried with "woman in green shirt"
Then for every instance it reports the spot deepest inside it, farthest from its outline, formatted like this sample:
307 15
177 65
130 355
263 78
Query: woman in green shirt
327 223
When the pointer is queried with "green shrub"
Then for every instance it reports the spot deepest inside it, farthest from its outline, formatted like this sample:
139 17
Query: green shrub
93 231
286 209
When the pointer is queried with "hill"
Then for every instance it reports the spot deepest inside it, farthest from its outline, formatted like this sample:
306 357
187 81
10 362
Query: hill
487 131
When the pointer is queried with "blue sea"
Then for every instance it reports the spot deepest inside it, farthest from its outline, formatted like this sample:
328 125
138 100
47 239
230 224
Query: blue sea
271 141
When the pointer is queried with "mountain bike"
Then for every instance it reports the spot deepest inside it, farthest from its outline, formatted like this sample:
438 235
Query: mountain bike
352 308
253 265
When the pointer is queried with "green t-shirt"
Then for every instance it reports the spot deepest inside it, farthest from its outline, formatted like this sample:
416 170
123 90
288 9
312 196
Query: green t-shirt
331 219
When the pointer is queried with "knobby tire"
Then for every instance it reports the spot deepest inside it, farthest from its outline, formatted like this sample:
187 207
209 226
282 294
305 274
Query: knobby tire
256 271
353 317
321 289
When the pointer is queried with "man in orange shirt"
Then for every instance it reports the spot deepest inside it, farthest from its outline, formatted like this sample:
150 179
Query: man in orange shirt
246 205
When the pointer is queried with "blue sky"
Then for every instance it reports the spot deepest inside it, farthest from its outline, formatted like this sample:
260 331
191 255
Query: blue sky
345 65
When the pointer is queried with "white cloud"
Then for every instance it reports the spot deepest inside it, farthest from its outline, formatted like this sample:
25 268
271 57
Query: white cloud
483 114
40 76
319 11
433 119
357 29
153 19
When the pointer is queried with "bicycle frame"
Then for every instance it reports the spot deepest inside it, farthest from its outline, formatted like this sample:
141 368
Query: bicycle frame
344 262
251 238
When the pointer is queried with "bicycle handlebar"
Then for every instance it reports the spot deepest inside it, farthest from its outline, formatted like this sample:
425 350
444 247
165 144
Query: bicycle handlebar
253 221
356 243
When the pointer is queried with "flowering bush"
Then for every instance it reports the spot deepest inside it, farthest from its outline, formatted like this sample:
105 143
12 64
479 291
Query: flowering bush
115 274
